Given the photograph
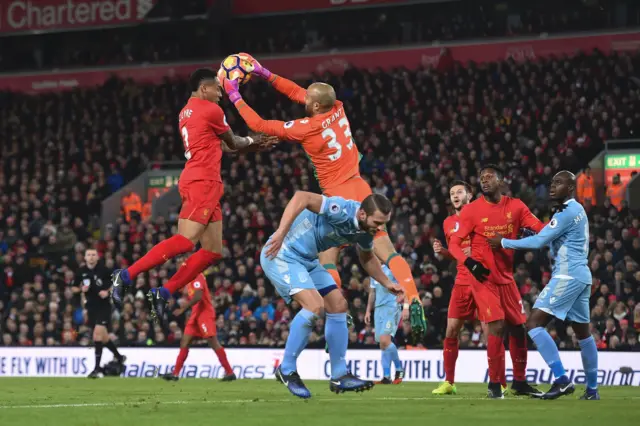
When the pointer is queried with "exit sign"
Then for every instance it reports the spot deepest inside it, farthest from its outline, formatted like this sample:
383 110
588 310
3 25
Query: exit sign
622 161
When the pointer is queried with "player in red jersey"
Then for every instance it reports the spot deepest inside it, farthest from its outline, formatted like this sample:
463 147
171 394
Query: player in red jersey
495 291
462 307
325 135
201 325
205 135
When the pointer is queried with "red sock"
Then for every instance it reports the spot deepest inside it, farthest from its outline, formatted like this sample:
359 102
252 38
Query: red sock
222 357
182 357
503 368
450 354
495 356
160 253
196 263
518 351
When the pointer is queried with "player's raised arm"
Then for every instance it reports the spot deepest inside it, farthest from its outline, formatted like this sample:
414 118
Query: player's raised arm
287 87
281 129
559 224
372 266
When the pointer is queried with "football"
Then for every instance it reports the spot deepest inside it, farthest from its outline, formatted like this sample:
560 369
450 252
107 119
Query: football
236 67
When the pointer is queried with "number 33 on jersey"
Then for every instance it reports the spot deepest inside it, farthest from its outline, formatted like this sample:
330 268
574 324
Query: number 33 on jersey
327 140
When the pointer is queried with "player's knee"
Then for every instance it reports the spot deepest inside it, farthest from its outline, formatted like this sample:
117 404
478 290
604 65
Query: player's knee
318 310
338 306
385 341
496 328
452 332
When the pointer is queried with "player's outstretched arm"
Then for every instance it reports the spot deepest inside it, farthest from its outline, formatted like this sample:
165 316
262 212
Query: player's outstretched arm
197 296
247 144
372 266
284 131
558 225
287 87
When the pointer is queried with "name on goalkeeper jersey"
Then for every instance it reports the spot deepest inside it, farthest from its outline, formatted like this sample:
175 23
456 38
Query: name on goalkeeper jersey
329 120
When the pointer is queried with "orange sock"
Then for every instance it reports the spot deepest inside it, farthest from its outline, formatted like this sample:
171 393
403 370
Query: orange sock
402 273
334 274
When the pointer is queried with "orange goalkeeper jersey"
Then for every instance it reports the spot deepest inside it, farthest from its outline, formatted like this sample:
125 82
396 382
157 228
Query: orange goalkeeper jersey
326 138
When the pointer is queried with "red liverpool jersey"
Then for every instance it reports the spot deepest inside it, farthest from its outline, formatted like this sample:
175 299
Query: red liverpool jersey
481 219
451 225
201 122
204 305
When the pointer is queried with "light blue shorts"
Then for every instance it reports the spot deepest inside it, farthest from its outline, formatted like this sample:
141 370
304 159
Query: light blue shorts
566 299
290 275
386 320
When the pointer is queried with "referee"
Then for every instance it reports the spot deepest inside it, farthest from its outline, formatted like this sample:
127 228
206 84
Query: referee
94 280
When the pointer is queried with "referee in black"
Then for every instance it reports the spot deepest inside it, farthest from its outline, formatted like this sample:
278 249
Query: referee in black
94 280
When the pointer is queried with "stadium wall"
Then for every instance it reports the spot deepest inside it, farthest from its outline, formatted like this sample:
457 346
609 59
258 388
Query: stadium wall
313 364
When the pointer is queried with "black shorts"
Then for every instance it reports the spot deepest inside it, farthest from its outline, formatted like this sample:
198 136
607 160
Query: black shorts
99 315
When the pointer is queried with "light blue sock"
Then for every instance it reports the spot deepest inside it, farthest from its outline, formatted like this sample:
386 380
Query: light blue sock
337 335
549 351
589 353
386 363
395 357
299 332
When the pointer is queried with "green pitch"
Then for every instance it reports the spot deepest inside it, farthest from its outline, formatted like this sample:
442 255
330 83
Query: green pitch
140 402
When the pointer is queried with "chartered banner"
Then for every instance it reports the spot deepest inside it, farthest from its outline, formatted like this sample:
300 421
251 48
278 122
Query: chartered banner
420 366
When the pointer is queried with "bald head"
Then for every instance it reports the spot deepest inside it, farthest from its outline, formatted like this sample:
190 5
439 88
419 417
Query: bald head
568 176
323 95
562 186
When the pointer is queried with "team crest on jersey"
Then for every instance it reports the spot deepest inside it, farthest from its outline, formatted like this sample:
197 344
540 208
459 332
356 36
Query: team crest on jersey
205 212
485 220
302 277
508 215
286 278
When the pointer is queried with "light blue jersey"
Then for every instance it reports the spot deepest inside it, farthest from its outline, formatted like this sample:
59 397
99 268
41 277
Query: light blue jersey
296 267
567 235
388 312
566 296
336 225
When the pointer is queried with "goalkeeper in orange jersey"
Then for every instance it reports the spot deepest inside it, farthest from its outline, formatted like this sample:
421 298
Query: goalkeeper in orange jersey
325 135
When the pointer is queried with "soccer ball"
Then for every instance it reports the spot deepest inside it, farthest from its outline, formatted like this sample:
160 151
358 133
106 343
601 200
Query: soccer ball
236 67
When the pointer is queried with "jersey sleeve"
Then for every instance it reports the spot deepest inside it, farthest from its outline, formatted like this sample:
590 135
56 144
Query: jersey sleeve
462 228
337 210
560 223
217 120
290 89
527 219
365 242
290 131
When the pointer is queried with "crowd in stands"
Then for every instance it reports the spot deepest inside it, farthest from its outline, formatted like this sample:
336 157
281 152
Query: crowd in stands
417 129
204 38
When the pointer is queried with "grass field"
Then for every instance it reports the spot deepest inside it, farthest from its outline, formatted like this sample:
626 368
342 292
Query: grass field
115 401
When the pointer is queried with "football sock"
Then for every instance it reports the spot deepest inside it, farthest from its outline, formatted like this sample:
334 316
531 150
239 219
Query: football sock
224 362
403 275
337 335
495 357
113 349
502 366
450 355
98 352
386 363
395 358
299 332
548 349
159 254
589 353
196 263
333 271
182 357
518 352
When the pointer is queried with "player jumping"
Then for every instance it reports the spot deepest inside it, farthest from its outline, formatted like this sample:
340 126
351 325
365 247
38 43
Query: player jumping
310 224
461 305
201 325
205 135
495 292
387 315
325 135
566 296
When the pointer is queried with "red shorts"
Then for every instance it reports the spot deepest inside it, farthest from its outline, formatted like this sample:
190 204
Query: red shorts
462 305
356 189
202 325
511 302
201 200
487 299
